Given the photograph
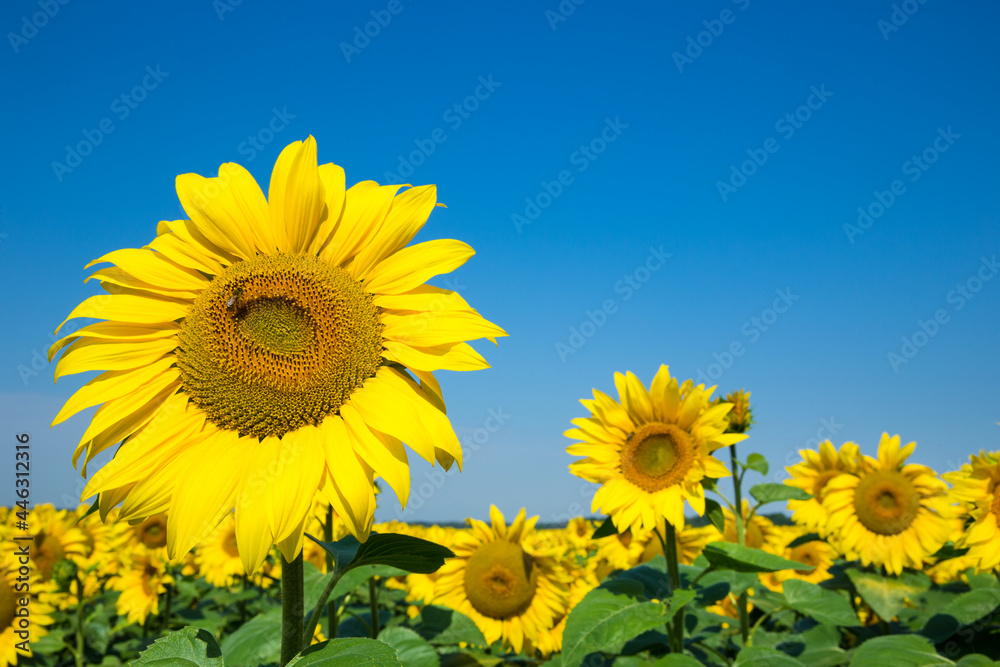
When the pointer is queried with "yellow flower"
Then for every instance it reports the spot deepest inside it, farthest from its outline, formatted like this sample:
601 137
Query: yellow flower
217 560
816 554
757 530
262 352
650 450
888 513
13 587
812 474
622 551
141 582
977 486
54 536
511 594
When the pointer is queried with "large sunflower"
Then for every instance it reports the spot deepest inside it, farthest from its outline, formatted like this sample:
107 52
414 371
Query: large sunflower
17 630
811 475
511 594
889 513
262 351
650 450
977 485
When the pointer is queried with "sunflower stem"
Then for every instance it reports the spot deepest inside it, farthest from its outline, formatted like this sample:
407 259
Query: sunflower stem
165 627
78 654
331 612
741 602
373 602
310 626
291 608
673 571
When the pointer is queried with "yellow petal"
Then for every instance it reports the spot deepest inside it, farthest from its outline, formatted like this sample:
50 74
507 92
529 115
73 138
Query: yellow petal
296 196
334 184
110 385
409 212
205 494
95 354
184 253
128 308
386 455
117 331
453 357
365 207
414 265
292 545
351 488
230 210
428 329
253 530
296 474
154 268
391 404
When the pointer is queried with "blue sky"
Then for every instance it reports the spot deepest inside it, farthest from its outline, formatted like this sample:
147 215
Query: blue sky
674 184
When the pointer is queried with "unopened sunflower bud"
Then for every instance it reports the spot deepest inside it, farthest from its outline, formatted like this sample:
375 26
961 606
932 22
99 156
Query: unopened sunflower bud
741 416
64 573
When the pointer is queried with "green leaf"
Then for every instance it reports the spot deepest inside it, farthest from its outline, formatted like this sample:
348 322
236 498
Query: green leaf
885 595
822 605
352 652
189 647
758 463
755 656
676 660
606 529
804 539
604 621
976 660
343 550
411 648
770 493
729 556
447 627
972 606
713 510
356 576
256 641
910 650
403 551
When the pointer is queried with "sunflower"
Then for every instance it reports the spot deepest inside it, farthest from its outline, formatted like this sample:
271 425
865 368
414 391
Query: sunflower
141 582
811 475
150 533
817 554
41 606
757 530
511 594
54 537
622 551
650 450
102 555
218 562
889 513
977 486
261 352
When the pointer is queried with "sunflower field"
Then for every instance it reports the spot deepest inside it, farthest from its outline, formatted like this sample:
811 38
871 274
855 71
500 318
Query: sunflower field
266 365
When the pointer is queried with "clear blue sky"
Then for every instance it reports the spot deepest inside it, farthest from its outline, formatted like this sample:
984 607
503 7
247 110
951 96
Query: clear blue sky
649 113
